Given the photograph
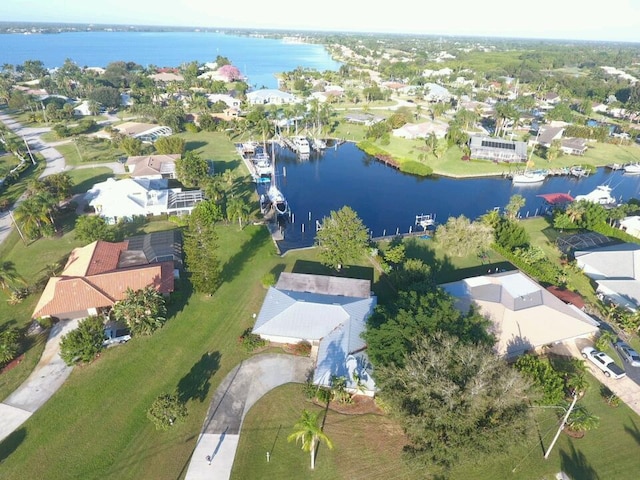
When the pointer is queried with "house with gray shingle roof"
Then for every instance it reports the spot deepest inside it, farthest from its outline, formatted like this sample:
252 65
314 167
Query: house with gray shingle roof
328 312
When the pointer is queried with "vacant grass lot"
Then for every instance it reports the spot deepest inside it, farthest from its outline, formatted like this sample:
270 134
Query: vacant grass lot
89 150
369 446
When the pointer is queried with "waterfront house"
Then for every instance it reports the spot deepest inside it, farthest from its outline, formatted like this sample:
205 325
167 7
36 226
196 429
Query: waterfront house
421 130
366 119
547 135
98 275
152 166
328 312
497 149
573 146
166 77
616 271
123 200
270 96
525 316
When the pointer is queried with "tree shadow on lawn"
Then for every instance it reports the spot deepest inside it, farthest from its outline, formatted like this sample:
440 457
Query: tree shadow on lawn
633 431
180 296
86 184
194 145
195 384
574 464
234 265
11 443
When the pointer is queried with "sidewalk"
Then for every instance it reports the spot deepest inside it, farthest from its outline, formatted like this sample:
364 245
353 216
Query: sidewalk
44 381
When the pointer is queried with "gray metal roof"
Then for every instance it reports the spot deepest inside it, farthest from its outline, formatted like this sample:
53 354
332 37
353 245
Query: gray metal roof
324 284
613 261
308 316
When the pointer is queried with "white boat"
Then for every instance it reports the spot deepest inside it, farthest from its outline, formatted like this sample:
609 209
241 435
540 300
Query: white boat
318 144
278 200
632 168
579 171
529 176
263 167
600 195
301 145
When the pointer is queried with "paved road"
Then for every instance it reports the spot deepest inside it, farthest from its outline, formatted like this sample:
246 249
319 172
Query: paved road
213 456
44 381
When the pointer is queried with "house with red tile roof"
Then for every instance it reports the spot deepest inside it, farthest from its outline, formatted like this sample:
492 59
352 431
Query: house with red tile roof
98 275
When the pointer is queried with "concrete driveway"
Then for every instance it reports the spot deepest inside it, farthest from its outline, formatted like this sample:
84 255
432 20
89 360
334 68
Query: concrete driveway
44 381
238 392
625 388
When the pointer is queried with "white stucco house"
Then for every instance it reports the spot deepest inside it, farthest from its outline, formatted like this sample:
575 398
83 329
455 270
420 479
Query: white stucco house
525 316
271 96
328 312
421 130
122 200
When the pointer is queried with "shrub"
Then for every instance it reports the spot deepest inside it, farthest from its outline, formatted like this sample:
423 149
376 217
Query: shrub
165 410
83 343
251 341
268 279
302 349
608 396
9 345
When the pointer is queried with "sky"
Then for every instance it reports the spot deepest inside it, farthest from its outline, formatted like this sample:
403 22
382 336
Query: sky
613 20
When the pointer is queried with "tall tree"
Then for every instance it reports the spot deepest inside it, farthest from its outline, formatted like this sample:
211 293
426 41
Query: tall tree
309 433
201 249
394 330
192 169
342 238
461 237
455 399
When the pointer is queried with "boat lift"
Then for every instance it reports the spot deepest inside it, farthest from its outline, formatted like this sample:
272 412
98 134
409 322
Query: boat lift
426 220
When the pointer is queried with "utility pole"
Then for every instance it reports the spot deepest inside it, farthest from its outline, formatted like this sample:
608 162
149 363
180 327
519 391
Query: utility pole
562 424
29 150
17 227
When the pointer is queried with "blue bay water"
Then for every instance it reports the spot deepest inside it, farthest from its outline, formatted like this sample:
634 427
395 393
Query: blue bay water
257 58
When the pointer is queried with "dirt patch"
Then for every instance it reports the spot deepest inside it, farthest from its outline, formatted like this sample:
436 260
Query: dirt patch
12 364
574 434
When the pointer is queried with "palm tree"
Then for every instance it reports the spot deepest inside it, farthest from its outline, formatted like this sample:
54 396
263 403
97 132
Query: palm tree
309 432
8 275
237 208
32 217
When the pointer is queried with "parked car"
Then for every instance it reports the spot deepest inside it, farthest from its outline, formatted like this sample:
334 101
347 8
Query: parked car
604 362
627 353
115 334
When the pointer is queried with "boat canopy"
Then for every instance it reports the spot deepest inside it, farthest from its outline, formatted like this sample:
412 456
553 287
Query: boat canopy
556 198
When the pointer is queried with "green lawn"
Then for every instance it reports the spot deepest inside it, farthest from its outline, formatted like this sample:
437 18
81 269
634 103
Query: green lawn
92 150
95 425
85 178
365 446
369 446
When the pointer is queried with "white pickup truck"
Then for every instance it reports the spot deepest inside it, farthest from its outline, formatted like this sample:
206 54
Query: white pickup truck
604 362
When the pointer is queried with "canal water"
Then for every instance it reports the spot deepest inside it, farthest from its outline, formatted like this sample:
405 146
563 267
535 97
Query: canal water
388 200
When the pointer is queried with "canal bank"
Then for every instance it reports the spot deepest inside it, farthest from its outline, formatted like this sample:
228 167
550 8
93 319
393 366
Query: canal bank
388 200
